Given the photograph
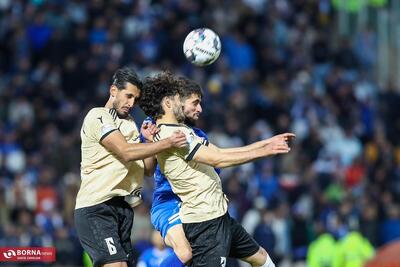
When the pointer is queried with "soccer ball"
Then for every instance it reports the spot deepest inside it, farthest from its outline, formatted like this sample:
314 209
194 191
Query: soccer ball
202 46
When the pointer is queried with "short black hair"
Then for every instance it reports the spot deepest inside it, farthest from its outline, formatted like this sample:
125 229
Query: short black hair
189 87
126 75
154 90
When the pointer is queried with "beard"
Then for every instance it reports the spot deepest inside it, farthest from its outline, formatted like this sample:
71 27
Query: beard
179 114
121 115
189 121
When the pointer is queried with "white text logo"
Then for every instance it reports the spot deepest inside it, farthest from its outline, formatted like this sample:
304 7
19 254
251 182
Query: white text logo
9 254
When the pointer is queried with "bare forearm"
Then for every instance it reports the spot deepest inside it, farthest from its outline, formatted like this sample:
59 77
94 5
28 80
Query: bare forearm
221 158
149 165
247 148
229 159
115 142
280 137
144 150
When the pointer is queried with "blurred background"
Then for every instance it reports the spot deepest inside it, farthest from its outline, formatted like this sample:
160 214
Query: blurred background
326 70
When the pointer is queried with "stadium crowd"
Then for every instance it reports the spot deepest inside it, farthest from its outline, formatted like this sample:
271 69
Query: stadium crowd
282 68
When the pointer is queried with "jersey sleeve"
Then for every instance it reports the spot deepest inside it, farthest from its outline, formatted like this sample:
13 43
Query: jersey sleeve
99 123
194 142
202 135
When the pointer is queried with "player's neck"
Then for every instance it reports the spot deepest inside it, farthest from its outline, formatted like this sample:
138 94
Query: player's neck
167 119
109 103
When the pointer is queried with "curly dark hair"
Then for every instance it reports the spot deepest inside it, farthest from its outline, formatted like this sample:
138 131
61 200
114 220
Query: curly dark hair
188 88
154 90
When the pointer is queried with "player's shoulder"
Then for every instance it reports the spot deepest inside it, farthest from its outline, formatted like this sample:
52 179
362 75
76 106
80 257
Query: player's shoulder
102 111
99 111
169 127
167 130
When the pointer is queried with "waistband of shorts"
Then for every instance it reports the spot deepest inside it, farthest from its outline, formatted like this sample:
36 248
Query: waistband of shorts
211 220
116 200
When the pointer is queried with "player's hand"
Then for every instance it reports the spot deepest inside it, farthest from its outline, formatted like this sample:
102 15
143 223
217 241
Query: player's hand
277 146
148 130
287 137
178 139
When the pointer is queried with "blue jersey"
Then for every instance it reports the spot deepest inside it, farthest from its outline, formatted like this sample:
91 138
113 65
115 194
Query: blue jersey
152 257
162 189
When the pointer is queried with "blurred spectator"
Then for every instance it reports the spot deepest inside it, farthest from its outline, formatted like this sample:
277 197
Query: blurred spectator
299 234
322 250
390 229
266 182
281 228
253 216
353 250
68 249
141 230
369 223
264 235
152 257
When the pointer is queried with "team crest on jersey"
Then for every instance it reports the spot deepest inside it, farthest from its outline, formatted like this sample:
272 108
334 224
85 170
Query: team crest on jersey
190 138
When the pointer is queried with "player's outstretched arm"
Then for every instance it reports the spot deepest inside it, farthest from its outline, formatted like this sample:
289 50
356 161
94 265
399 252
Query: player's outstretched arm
116 143
219 159
285 137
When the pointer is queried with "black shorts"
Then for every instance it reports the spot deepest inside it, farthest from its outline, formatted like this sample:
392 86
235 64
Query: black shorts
214 240
104 231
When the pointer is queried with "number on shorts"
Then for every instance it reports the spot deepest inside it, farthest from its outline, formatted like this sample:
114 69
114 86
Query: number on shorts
110 245
223 261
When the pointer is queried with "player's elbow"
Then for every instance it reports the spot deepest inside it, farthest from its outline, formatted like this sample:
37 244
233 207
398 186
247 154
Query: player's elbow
132 152
212 158
126 156
217 162
221 165
224 160
184 254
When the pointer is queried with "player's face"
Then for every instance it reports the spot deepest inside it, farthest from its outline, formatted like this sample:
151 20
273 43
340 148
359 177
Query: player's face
177 109
125 99
192 109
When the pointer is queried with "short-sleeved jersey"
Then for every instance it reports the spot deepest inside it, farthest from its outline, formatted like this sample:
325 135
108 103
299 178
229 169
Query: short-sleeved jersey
197 185
103 174
162 189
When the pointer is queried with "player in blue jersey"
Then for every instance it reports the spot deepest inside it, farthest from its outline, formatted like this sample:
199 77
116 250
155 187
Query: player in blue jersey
165 207
152 257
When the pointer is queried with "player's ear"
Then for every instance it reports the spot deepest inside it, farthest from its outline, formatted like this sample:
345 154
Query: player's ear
166 102
113 91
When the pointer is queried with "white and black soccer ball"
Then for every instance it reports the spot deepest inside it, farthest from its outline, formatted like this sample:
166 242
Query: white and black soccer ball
202 46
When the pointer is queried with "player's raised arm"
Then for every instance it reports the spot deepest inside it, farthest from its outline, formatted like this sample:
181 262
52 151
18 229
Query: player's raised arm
116 143
221 159
285 137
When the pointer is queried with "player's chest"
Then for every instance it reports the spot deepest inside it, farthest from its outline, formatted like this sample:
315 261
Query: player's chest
129 130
